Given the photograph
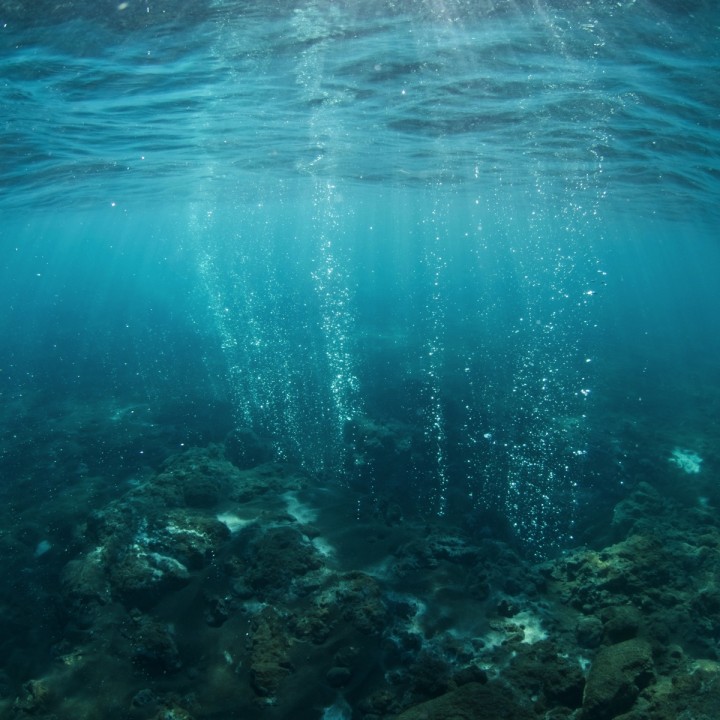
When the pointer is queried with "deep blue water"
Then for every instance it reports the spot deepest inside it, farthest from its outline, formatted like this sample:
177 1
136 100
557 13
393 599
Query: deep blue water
454 257
490 226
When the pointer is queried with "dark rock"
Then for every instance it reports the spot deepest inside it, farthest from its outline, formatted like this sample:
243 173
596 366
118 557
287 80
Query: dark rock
360 598
631 513
453 549
202 492
153 647
197 478
378 444
85 583
589 632
543 671
564 685
707 600
507 609
621 623
479 588
143 577
346 656
429 676
143 698
338 676
190 537
378 704
471 673
617 675
34 699
278 558
218 609
470 702
354 598
408 642
269 653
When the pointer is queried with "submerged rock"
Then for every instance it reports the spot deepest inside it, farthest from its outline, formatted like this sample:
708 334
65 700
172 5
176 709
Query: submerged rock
545 672
470 702
621 622
270 660
143 577
278 558
589 632
617 675
153 648
338 676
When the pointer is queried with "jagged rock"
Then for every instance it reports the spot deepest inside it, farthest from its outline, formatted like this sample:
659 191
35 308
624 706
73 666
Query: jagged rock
190 537
270 660
35 698
360 600
84 581
153 647
354 600
278 558
197 478
544 672
142 577
693 692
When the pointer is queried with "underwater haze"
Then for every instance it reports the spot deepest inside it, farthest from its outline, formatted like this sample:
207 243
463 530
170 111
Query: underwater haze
331 331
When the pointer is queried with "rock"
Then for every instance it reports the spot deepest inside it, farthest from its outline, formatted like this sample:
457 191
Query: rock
544 672
218 609
190 537
195 478
153 647
360 600
633 512
353 602
563 685
143 698
618 674
34 699
429 676
269 648
338 676
142 578
85 585
173 712
278 558
469 674
621 622
469 702
589 632
379 703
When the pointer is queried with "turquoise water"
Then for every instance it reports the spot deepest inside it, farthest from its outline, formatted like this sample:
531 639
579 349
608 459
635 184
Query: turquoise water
483 232
488 222
470 219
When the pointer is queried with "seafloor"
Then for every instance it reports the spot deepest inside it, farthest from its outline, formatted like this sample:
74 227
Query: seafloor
143 579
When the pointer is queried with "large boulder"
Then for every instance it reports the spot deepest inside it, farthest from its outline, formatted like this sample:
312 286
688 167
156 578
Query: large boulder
618 674
470 702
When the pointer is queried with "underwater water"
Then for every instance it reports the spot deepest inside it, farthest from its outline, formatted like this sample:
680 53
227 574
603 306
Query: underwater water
349 350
